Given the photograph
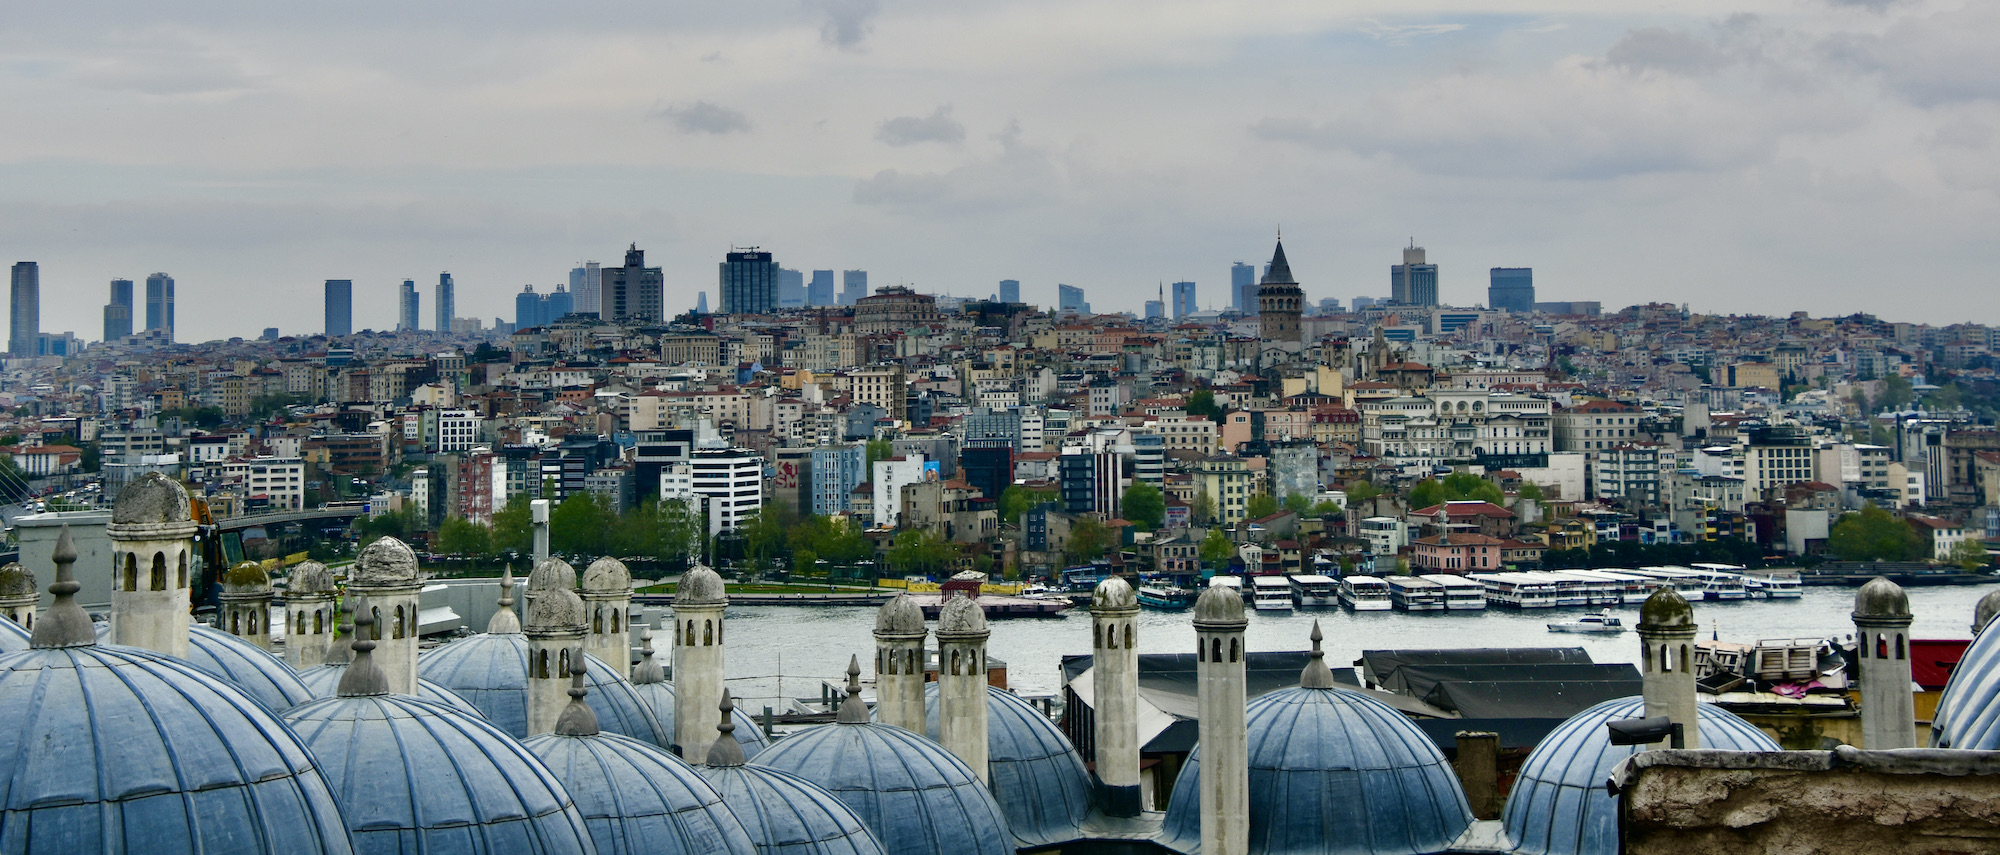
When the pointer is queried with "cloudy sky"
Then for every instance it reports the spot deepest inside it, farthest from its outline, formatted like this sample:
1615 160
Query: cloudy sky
1821 155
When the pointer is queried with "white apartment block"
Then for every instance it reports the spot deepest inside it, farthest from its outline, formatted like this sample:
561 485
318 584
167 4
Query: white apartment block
282 479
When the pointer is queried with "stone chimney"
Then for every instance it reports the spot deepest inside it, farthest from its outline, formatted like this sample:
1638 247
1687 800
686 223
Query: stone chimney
555 630
607 599
312 622
899 663
1666 642
246 603
699 602
386 574
1882 648
962 635
1114 677
1222 732
152 548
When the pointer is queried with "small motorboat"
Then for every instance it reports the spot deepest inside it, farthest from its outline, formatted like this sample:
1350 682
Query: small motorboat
1603 621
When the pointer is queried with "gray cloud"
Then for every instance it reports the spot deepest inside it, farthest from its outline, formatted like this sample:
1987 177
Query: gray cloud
1661 49
1022 175
702 117
1402 34
939 126
847 22
1931 60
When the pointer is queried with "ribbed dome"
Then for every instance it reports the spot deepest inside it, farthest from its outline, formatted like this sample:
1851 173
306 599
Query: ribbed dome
152 499
659 697
637 799
120 749
309 577
1113 593
1559 805
607 575
900 616
788 815
1333 770
1218 604
246 666
491 672
387 562
323 681
551 573
414 776
1033 771
1881 598
914 796
1967 715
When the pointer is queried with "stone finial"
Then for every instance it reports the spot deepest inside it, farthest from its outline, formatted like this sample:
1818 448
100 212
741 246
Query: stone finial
363 678
727 751
700 586
1881 600
387 562
853 710
648 670
504 621
1666 609
65 624
607 575
1316 675
341 650
900 617
577 718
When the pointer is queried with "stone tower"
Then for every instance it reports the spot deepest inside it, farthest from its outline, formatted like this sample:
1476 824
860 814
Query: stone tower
1114 615
699 602
899 663
19 595
1280 303
1882 648
312 621
152 549
1666 647
1221 695
607 599
246 603
555 629
386 573
962 635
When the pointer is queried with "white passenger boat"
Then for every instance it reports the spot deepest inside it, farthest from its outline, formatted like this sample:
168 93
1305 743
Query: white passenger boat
1602 622
1309 589
1365 594
1517 590
1270 594
1415 594
1460 593
1777 584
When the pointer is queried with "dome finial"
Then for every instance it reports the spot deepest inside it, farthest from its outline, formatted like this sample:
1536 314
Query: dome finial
1316 675
853 710
65 624
363 678
577 719
648 670
504 621
726 751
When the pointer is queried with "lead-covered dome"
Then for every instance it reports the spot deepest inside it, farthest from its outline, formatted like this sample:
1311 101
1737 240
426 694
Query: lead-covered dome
700 586
784 813
246 666
1881 599
490 671
153 499
1114 593
900 617
1218 604
1033 771
1968 715
1559 805
323 681
18 581
309 578
649 684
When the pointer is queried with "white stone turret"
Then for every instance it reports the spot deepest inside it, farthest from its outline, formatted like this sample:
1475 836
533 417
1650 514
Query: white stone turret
311 622
555 630
1221 733
1114 678
607 599
1666 649
246 603
899 663
538 518
699 602
1882 648
386 574
19 595
962 635
152 549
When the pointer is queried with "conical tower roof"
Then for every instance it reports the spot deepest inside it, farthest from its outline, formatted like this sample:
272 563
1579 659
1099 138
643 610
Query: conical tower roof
1281 270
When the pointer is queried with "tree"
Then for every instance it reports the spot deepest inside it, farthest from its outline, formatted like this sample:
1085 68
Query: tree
396 524
1456 487
1529 492
765 533
1970 554
1260 506
512 528
1144 506
1202 403
1216 549
879 449
1361 491
1326 509
1087 541
460 536
1895 393
919 552
1874 534
683 531
1298 503
581 526
1203 507
1017 500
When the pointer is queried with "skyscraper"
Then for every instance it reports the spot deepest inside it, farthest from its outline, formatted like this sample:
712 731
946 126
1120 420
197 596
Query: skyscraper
1512 289
633 293
749 282
24 302
1280 301
339 307
1243 288
791 289
558 304
527 308
406 305
1155 309
1010 290
1413 283
160 303
445 305
820 292
1069 300
853 286
1183 299
118 312
586 289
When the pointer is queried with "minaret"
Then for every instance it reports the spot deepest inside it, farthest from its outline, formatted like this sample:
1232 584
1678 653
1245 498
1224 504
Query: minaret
1114 676
699 602
1280 303
152 541
961 635
246 603
386 574
1882 648
538 518
311 623
899 663
504 621
19 595
607 599
555 630
1221 733
1666 646
1983 612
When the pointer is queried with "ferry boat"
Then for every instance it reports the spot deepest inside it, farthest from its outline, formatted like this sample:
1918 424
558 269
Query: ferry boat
1777 584
1315 590
1460 593
1234 583
1365 593
1415 594
1692 587
1517 590
1570 590
1166 598
1271 594
1720 584
1632 589
1602 622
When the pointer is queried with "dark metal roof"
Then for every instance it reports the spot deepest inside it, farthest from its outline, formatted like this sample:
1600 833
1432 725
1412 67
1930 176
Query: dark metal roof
1379 665
1032 769
1537 699
636 798
1418 680
785 814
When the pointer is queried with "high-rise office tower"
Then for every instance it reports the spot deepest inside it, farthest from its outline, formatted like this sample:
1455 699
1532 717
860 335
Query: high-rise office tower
1280 301
527 308
586 289
1010 290
701 303
791 289
160 303
820 291
1155 309
1413 283
1243 288
339 307
559 304
406 308
1512 289
749 282
1183 299
1069 300
853 286
118 312
24 302
445 304
633 294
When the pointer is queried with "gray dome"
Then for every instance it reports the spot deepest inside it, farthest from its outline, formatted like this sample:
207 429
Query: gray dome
1335 771
115 748
1666 609
18 581
1033 771
1114 593
554 610
788 815
961 616
1881 599
1967 715
151 500
1219 604
700 586
323 681
309 578
247 577
491 672
900 617
914 796
607 575
659 697
551 573
246 666
637 799
1982 614
387 562
414 776
1559 805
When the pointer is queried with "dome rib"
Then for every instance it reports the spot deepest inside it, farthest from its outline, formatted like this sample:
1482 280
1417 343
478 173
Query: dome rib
912 795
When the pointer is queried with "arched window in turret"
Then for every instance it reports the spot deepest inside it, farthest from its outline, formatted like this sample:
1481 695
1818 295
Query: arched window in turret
562 663
159 571
131 572
399 622
181 578
615 615
707 633
597 621
376 612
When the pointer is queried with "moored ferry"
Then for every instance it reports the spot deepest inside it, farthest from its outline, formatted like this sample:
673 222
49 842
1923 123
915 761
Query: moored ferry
1517 590
1270 594
1365 593
1415 594
1460 593
1166 598
1309 589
